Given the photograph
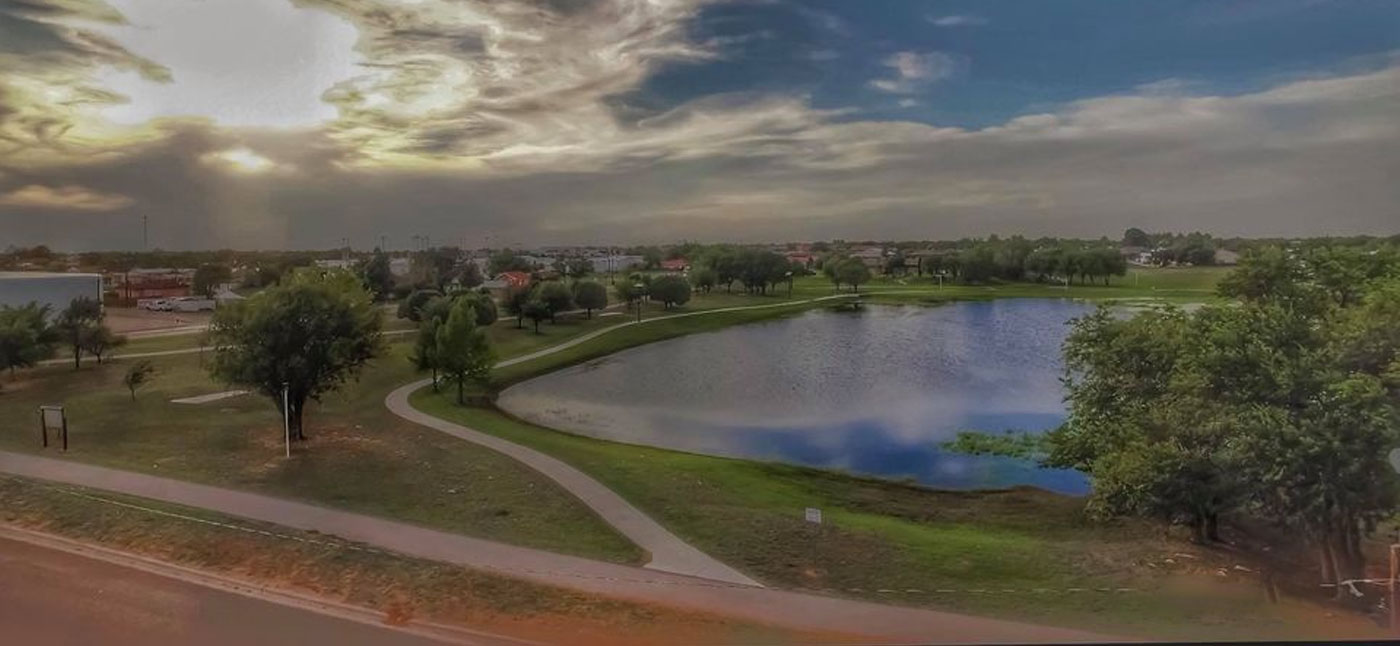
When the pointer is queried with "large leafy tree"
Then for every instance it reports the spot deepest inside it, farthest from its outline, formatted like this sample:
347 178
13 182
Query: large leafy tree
310 333
463 351
590 295
670 290
556 297
1281 406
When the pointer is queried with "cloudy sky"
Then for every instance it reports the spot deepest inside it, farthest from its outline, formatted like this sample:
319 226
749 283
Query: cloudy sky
273 123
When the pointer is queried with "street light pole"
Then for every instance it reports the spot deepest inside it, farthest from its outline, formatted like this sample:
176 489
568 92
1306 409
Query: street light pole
637 290
286 420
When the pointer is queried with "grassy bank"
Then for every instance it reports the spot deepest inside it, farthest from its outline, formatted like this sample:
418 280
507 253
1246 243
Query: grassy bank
359 456
403 588
1023 553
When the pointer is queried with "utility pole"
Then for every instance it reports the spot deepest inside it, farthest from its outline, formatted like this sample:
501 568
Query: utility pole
145 237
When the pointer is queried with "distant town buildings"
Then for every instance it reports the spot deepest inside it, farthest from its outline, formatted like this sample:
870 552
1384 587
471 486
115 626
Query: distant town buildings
127 287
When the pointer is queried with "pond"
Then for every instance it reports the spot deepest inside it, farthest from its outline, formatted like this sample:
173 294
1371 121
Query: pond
874 392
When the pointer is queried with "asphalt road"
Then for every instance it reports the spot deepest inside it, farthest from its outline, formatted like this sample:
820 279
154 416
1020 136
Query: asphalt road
50 596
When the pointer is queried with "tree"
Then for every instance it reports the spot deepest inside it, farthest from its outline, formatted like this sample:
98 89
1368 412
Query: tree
425 347
73 323
98 340
463 350
377 276
578 267
208 277
556 297
506 260
516 298
705 278
853 272
25 336
651 257
671 290
486 312
411 308
137 375
536 310
590 296
470 275
1135 237
310 334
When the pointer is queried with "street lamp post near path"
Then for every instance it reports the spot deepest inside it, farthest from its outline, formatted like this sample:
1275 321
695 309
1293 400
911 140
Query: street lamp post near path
286 420
637 292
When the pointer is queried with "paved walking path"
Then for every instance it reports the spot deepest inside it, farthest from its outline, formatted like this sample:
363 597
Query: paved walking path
805 611
668 552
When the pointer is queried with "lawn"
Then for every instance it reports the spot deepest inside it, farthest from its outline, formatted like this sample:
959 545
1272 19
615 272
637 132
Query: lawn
403 588
879 539
359 456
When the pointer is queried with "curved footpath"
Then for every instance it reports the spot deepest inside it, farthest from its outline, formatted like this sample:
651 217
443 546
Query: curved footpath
668 552
765 605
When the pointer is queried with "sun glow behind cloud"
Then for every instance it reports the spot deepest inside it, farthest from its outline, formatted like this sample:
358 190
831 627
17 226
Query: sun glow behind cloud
240 63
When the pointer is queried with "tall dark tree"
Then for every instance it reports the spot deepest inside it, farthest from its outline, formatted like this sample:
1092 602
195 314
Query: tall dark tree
378 278
75 323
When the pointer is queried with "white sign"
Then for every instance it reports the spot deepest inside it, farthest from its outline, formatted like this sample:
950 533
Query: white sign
53 416
814 515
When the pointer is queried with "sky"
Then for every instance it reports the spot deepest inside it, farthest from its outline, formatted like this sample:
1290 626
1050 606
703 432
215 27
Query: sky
281 124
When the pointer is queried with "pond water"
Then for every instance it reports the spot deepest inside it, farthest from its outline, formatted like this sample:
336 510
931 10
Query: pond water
872 392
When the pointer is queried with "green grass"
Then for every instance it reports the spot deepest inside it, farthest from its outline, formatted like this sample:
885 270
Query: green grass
360 456
401 587
881 534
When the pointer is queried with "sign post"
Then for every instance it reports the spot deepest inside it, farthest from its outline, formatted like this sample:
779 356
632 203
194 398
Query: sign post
53 417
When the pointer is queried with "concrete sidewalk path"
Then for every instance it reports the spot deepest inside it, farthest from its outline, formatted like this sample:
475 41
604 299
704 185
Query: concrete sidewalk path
776 607
668 552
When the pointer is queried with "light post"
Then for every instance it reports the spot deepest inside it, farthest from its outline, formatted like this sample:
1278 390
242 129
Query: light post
789 280
286 420
637 290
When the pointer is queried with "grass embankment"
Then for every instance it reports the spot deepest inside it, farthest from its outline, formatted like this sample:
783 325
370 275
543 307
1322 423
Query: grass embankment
359 456
1020 553
403 588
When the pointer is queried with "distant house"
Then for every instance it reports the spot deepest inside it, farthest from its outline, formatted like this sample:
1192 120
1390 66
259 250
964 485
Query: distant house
399 267
335 263
504 282
1226 257
800 258
675 264
873 257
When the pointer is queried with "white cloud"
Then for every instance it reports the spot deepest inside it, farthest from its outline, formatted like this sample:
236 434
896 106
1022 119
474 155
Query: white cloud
957 21
915 71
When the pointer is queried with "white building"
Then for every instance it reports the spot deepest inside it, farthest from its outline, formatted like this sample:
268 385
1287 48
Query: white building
19 288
